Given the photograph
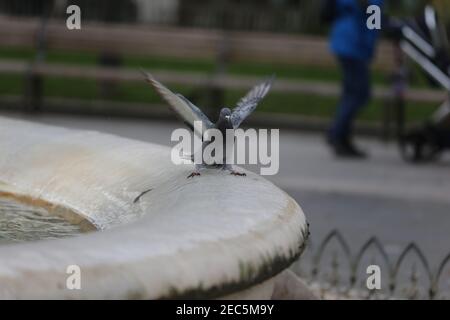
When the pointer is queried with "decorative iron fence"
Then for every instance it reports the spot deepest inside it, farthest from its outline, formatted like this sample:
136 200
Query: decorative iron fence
334 271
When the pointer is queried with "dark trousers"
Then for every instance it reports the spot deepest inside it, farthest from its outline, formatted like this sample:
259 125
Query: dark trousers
355 94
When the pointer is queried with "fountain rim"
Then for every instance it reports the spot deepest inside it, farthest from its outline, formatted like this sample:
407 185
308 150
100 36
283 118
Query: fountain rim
275 244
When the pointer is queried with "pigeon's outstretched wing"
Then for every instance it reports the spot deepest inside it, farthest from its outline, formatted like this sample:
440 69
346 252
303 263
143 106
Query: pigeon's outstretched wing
248 103
182 106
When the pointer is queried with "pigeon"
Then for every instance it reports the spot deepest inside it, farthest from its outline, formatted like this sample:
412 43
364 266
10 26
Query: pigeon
228 119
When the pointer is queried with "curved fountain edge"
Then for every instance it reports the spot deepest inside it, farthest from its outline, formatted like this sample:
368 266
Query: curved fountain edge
212 265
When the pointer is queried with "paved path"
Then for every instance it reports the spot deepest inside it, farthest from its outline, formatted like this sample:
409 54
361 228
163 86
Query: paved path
383 196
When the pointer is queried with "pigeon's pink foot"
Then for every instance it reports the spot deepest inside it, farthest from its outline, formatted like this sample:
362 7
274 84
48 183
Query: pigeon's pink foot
193 174
235 173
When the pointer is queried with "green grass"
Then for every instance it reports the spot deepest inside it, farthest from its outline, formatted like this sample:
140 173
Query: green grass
194 65
300 104
324 107
303 72
11 84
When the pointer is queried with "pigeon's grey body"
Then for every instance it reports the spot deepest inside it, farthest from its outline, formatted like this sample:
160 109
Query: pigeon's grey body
228 119
223 124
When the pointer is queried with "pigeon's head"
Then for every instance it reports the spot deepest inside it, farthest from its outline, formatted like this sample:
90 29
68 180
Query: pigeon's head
225 113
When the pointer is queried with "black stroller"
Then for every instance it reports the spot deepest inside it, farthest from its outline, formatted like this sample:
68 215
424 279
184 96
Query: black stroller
424 40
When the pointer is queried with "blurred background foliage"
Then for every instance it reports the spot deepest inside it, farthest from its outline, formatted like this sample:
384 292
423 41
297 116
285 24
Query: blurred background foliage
292 16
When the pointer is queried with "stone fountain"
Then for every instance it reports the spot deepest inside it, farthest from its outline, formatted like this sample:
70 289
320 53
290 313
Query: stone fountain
133 225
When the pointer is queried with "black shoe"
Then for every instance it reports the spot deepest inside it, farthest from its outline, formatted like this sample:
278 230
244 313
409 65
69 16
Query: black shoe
346 149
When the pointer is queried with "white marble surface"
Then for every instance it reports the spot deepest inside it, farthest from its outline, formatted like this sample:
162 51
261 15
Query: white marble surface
183 234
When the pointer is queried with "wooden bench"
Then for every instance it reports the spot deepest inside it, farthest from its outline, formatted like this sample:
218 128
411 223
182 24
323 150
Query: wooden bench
177 42
182 43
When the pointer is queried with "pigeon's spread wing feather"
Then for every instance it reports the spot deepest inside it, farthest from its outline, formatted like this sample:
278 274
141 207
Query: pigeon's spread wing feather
248 103
182 106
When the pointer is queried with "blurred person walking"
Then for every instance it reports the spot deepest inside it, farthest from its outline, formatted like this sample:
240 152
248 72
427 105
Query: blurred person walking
353 44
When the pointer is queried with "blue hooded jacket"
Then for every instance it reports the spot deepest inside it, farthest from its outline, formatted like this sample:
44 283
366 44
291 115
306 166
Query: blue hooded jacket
350 36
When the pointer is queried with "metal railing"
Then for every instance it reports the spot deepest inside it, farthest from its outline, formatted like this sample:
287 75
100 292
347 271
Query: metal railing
334 270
